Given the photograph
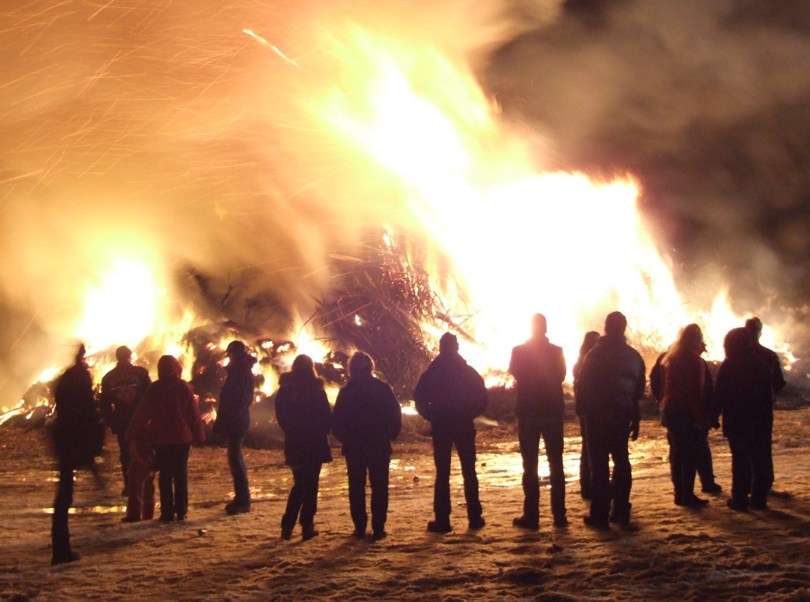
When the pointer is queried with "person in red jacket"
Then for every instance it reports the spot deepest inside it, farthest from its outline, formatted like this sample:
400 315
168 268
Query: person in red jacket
172 419
684 410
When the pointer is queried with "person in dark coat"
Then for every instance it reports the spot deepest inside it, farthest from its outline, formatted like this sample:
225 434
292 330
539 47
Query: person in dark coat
303 413
171 417
367 418
588 342
704 463
539 370
450 394
141 472
610 386
777 374
685 411
78 437
121 391
743 396
233 420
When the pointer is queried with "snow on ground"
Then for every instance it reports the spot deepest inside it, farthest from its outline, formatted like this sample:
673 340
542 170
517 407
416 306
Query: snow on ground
675 553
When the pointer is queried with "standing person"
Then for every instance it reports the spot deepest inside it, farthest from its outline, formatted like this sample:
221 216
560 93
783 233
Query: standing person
743 397
777 374
588 342
141 472
233 420
684 411
172 419
367 418
539 370
303 413
78 437
121 391
450 394
610 384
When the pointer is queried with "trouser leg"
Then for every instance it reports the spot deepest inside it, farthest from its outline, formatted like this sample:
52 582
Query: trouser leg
584 463
309 497
378 473
622 473
529 441
599 455
356 469
740 469
553 442
294 498
164 463
60 533
442 446
181 479
236 462
123 455
465 446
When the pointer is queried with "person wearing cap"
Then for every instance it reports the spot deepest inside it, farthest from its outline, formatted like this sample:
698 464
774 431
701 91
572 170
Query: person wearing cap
233 420
611 383
121 391
538 367
450 394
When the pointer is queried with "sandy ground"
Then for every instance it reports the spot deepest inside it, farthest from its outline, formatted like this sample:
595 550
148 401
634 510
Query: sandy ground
674 553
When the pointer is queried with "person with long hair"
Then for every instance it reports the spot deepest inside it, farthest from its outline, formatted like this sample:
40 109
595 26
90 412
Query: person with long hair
588 342
304 415
684 410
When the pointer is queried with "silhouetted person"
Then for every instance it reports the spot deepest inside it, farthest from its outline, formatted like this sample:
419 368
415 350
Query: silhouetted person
588 342
367 418
233 420
450 394
743 396
704 463
777 374
610 385
304 415
685 411
539 370
121 391
141 472
171 417
78 437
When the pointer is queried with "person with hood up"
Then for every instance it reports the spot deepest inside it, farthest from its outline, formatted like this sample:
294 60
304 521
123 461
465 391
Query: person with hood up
743 395
588 342
233 420
171 417
685 411
450 394
611 384
304 415
367 418
121 391
539 370
78 437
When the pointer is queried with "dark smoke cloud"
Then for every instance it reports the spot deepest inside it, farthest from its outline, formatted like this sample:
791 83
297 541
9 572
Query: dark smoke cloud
708 104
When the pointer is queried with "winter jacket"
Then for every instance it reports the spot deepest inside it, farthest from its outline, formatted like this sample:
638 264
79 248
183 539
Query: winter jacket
450 393
170 414
743 395
122 389
539 370
777 374
78 434
303 413
686 391
612 380
367 418
233 412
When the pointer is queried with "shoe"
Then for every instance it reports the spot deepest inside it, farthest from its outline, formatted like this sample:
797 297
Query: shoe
737 505
359 533
757 504
65 558
378 535
522 522
308 532
694 501
166 518
596 523
131 519
477 523
232 508
286 533
436 526
560 522
181 518
712 488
